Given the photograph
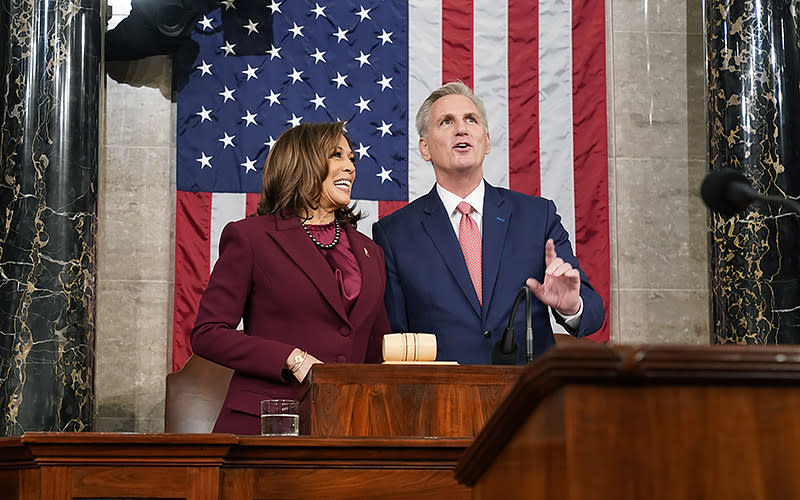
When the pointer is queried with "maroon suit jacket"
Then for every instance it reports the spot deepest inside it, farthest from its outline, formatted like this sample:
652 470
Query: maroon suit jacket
270 274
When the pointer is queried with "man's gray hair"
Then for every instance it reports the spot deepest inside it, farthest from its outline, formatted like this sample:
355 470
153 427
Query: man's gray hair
452 88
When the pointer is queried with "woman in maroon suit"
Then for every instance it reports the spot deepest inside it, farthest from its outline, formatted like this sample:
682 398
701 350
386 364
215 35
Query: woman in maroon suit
307 285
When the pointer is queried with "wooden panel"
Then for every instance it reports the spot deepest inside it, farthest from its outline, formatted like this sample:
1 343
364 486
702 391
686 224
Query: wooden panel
533 465
685 443
345 468
129 482
22 484
204 484
107 465
20 477
56 483
439 453
90 448
355 484
406 400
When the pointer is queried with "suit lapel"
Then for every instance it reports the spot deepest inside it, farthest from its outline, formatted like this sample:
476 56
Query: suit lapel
437 224
496 219
298 246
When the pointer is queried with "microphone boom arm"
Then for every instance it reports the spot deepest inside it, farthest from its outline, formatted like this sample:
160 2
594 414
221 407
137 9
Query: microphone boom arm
505 351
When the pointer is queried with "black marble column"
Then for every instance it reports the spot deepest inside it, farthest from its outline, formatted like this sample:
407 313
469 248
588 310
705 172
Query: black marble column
753 70
48 196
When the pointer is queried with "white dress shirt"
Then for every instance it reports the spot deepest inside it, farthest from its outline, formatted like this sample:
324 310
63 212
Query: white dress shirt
451 201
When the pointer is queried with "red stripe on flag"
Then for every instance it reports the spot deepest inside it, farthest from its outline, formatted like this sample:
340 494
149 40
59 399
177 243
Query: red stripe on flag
251 203
523 97
192 256
456 43
387 207
590 148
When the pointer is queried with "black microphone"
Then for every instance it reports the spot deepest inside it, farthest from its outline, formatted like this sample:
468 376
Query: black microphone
505 351
728 192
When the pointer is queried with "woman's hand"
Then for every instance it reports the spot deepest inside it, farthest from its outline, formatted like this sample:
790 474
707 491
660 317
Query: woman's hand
300 363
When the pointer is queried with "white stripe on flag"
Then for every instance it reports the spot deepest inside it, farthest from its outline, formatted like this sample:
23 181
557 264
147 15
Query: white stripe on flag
225 207
490 70
555 108
370 210
556 178
424 75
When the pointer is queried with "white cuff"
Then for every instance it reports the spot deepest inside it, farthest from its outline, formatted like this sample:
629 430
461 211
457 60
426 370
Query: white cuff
575 320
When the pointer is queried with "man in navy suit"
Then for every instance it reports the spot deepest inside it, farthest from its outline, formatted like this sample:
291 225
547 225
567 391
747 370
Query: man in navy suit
456 257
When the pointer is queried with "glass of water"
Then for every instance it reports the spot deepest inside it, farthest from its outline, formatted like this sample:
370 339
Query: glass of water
280 417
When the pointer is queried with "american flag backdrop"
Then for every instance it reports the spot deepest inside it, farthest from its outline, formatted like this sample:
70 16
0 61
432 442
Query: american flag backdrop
265 65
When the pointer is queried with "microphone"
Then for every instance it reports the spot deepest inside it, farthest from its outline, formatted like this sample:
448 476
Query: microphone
505 351
728 192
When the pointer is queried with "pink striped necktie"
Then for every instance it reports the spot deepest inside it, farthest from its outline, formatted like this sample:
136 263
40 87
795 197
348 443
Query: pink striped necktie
470 239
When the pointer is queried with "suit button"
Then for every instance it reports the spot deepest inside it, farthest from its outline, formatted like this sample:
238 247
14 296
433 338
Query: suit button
345 331
341 358
487 334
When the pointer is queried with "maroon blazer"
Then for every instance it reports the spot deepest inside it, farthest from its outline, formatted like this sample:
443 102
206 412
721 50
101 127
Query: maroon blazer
271 275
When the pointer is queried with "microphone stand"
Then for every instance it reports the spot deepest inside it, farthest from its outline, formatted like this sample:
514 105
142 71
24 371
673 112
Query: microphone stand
505 351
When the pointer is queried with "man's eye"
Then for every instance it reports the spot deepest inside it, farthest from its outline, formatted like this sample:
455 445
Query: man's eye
471 120
446 121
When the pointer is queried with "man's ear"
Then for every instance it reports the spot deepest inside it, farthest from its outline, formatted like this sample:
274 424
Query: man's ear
488 143
423 149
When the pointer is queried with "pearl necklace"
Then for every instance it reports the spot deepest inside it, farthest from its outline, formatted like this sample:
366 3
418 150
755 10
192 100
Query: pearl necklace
335 236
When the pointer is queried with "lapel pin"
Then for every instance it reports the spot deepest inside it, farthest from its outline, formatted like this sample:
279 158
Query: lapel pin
366 252
500 219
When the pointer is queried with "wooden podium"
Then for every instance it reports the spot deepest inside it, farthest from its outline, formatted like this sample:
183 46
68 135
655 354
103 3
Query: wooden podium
420 400
656 422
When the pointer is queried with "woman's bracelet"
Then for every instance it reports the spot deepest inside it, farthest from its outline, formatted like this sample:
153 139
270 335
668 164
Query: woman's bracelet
298 361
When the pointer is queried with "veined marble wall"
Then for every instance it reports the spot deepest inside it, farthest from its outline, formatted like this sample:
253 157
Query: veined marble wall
657 144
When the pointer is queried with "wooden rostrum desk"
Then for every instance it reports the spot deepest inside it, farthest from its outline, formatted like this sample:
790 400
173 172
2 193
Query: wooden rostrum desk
645 422
61 466
376 432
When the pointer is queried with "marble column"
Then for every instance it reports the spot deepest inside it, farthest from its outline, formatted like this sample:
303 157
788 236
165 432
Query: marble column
753 69
48 196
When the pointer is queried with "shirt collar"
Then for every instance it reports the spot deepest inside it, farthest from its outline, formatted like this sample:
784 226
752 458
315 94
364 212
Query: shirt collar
451 201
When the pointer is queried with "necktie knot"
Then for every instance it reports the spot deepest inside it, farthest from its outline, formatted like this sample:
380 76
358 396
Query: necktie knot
464 207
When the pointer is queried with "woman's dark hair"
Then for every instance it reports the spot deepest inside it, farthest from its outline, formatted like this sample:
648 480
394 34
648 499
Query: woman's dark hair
296 166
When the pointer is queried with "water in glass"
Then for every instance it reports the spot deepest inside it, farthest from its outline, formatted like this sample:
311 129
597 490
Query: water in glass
283 424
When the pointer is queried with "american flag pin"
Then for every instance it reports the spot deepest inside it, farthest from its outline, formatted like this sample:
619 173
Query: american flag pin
366 252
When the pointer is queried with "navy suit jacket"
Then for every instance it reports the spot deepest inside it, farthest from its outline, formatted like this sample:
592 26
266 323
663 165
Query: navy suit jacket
428 288
271 275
